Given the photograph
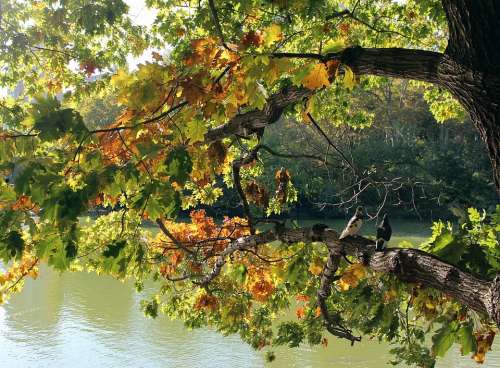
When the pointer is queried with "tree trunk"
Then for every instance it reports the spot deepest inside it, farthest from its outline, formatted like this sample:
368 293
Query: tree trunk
474 57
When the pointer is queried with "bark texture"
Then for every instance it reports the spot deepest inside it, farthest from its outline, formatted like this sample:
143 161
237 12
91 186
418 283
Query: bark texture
473 73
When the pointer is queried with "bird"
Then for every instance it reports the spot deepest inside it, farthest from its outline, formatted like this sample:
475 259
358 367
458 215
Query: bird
384 232
354 224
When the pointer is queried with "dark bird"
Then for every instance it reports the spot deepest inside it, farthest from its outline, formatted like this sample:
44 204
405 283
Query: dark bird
354 224
384 232
317 231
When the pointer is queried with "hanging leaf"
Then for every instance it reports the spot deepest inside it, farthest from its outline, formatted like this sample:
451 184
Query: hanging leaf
317 77
178 165
444 339
114 249
349 78
467 339
272 34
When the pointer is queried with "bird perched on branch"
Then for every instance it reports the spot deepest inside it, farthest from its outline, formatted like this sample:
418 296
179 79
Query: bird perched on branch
384 232
354 224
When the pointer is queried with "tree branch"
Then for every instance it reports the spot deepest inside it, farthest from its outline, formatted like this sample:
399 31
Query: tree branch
248 122
218 28
388 62
408 265
169 235
327 278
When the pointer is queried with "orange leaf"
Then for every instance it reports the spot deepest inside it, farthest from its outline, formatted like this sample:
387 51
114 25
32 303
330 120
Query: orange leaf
317 77
300 312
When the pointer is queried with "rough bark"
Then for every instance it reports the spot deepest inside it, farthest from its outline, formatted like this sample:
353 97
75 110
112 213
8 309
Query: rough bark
409 265
249 122
473 73
474 33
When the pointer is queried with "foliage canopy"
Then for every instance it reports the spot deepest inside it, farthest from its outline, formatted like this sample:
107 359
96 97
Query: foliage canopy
189 132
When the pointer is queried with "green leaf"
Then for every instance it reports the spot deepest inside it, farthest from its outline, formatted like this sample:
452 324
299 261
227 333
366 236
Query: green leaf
179 165
149 149
447 248
238 272
290 333
11 246
55 124
114 249
443 339
195 131
46 243
466 339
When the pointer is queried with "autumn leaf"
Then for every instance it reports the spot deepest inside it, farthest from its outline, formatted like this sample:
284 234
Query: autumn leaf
207 302
89 67
307 110
300 313
317 77
483 343
272 34
351 276
349 78
252 38
195 131
316 267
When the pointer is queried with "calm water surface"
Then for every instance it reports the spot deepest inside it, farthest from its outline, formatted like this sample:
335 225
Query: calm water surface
83 320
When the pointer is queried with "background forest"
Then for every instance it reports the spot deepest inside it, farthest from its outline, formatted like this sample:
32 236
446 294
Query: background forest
419 167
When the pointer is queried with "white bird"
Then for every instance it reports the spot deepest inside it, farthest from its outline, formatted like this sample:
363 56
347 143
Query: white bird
354 224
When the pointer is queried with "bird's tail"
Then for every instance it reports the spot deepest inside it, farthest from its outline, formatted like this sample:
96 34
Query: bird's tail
379 244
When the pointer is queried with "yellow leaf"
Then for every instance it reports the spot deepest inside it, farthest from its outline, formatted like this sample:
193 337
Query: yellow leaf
315 268
317 77
351 276
349 78
272 34
276 68
357 270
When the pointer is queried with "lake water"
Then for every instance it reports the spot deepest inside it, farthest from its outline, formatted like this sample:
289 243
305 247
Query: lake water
84 320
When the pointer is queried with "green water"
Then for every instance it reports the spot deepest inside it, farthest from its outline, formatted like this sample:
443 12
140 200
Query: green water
84 320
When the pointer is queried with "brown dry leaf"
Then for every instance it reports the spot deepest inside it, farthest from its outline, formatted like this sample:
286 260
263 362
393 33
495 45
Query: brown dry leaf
483 342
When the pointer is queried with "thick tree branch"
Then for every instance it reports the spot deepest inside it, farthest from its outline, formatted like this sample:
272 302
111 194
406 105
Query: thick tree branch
391 62
247 123
408 265
386 62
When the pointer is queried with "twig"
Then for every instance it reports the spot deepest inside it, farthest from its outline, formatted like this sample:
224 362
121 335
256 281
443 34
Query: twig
165 231
331 143
215 18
